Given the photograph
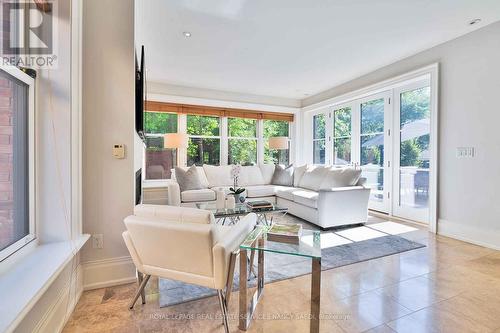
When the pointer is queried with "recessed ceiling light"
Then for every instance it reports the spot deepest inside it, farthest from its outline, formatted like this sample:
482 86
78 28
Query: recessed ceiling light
475 21
186 34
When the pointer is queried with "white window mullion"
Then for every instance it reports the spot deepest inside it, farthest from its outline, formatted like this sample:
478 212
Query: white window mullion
260 141
355 134
182 128
224 142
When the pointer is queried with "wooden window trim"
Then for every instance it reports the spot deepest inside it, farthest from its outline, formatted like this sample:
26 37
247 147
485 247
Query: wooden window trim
152 106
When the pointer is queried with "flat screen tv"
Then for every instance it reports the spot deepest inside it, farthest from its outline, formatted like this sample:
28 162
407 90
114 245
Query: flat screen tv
140 94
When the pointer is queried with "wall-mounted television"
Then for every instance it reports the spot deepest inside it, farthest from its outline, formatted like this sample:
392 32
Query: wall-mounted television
140 94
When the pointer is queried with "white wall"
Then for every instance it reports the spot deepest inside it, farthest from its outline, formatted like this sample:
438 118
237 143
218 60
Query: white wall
469 116
108 118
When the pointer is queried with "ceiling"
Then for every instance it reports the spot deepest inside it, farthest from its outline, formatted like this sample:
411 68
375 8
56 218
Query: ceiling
292 48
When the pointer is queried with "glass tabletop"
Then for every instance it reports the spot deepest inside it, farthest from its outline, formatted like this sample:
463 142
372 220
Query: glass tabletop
308 246
239 209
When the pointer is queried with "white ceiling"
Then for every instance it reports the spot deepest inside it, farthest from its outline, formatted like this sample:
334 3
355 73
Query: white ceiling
292 48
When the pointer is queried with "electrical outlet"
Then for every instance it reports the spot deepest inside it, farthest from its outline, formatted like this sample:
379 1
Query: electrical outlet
97 241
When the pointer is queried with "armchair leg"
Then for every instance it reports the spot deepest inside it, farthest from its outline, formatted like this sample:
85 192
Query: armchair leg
222 303
140 290
230 276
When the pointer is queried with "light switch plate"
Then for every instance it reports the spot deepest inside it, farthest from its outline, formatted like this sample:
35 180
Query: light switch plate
119 151
466 152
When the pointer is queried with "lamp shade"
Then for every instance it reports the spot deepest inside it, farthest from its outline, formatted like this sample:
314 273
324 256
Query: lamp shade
278 142
175 140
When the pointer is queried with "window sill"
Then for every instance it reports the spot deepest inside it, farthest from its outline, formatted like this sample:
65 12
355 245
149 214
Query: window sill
26 280
155 183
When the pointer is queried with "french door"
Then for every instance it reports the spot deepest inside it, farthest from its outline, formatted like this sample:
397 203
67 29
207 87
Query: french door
412 152
388 136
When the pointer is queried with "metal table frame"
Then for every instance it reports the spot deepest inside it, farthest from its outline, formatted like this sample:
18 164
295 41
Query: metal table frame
247 309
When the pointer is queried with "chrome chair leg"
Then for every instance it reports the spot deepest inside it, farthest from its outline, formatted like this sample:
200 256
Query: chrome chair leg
223 307
140 290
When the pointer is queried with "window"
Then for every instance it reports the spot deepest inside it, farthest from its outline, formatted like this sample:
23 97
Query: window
242 141
319 139
16 160
204 140
274 128
159 160
342 135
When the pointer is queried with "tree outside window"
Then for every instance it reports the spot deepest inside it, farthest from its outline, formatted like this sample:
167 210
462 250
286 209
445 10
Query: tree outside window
204 140
242 141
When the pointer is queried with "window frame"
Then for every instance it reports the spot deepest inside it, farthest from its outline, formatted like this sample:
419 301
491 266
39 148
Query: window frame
191 136
334 136
324 139
31 236
258 126
265 140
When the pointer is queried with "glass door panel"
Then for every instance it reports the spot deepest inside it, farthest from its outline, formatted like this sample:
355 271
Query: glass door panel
342 123
319 140
413 154
372 150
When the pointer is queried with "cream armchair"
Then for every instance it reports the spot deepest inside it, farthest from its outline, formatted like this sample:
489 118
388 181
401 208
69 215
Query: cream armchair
184 244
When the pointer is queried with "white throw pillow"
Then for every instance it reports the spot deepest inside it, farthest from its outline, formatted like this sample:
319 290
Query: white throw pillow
340 177
267 171
297 174
201 175
218 175
250 175
313 177
188 180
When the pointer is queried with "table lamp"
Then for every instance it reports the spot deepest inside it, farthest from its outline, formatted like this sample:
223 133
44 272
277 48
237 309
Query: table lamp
279 143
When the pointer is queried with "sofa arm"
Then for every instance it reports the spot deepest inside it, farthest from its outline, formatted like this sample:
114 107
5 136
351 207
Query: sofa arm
343 205
173 193
229 238
175 214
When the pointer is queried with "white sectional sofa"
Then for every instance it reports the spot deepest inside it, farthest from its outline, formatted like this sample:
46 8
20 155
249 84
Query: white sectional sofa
310 197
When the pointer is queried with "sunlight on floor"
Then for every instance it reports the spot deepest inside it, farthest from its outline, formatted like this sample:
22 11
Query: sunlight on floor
328 239
392 228
360 234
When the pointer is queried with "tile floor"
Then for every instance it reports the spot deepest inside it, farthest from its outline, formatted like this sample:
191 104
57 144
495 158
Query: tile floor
448 286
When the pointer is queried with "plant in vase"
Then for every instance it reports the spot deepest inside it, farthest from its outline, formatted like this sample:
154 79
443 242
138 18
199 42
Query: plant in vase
235 190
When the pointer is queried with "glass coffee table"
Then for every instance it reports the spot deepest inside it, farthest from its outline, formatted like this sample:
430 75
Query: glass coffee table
309 246
232 215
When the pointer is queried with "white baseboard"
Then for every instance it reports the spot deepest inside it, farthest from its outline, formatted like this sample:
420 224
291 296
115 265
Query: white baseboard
58 314
486 237
108 272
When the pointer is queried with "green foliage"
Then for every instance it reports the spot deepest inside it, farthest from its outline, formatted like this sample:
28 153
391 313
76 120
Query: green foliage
203 151
203 125
410 152
415 105
342 122
372 116
319 126
160 122
275 128
243 151
242 128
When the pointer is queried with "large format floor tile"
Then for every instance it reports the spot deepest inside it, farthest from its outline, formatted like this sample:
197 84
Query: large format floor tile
448 286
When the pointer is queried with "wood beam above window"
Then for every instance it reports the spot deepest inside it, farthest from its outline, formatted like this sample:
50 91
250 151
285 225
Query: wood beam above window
152 106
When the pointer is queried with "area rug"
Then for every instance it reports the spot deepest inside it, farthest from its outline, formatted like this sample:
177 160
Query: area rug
279 267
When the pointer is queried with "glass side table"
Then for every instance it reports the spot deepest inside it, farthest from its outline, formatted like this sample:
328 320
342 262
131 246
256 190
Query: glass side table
309 246
232 215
